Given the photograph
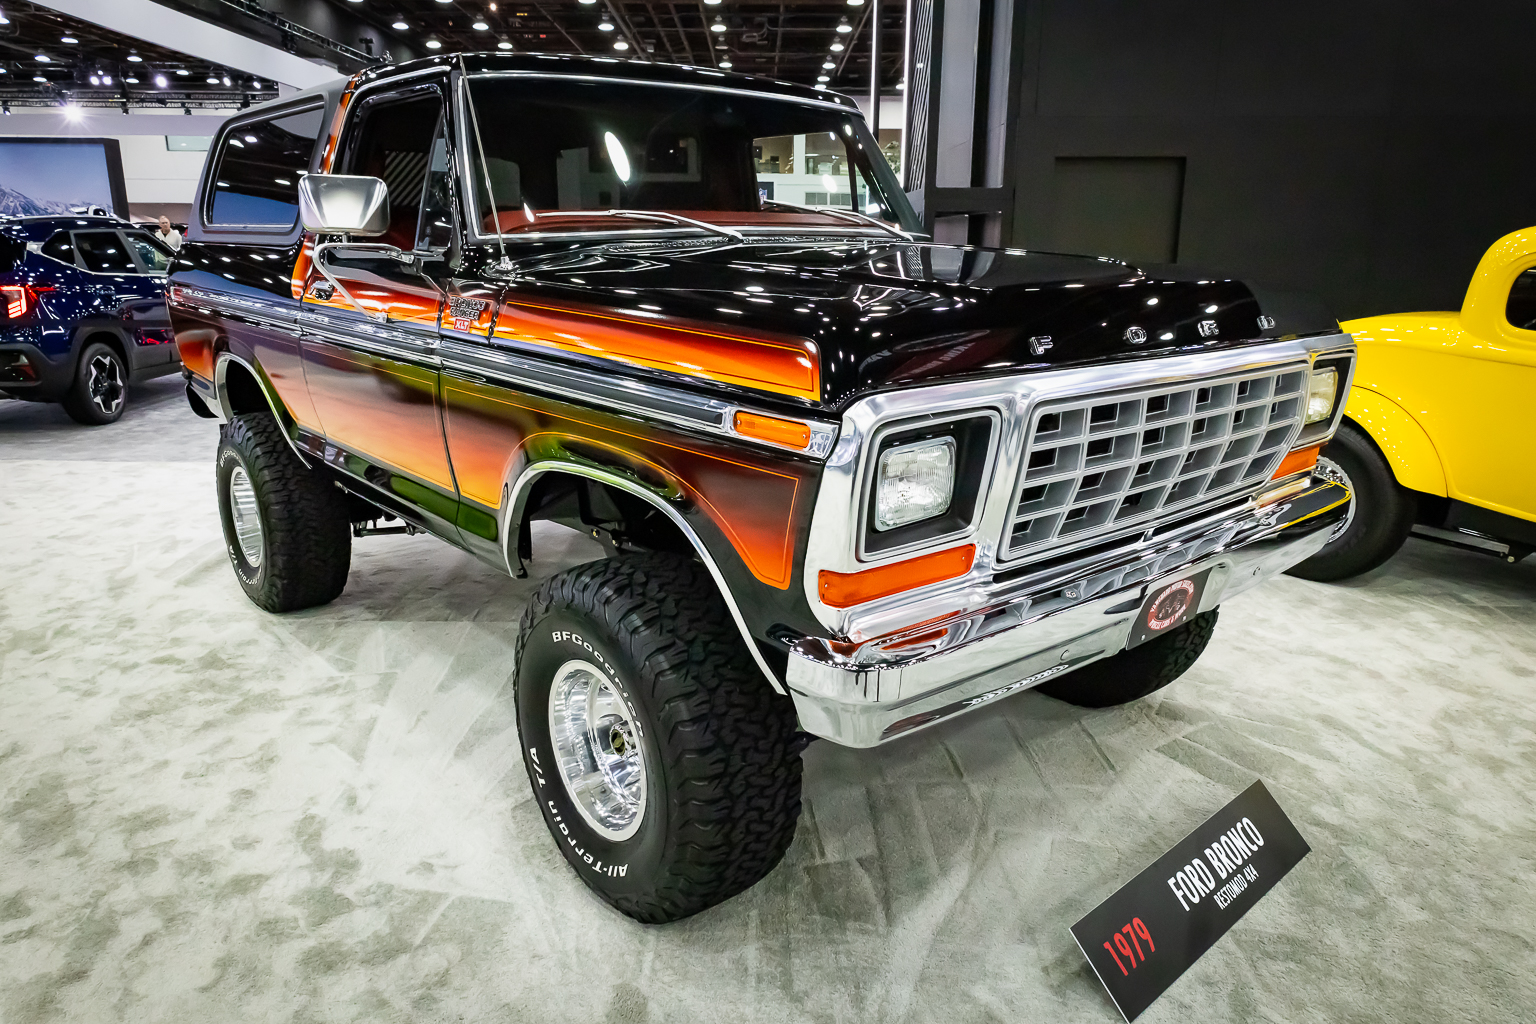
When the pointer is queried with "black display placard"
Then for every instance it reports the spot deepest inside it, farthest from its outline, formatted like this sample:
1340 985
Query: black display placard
1169 604
1144 937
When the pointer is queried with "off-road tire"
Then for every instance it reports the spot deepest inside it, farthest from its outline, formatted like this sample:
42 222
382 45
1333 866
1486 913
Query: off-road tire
84 401
1131 675
720 747
306 532
1382 515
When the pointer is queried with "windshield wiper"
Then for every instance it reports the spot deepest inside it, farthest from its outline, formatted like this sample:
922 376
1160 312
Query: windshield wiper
660 216
850 216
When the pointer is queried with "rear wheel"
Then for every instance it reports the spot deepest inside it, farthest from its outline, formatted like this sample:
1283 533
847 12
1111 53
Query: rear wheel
286 527
1381 510
100 389
666 768
1131 675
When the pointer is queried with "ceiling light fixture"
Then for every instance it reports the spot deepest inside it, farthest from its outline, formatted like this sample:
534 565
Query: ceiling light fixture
712 3
828 65
843 28
719 25
43 58
5 21
434 44
160 81
213 80
855 3
68 39
619 44
71 111
131 80
586 3
183 72
481 26
106 79
399 25
837 47
39 78
134 58
725 63
95 79
504 44
820 87
901 86
605 25
823 78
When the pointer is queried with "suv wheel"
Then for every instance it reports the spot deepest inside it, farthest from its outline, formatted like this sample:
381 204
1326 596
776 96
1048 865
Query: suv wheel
100 388
285 526
1381 510
666 767
1131 675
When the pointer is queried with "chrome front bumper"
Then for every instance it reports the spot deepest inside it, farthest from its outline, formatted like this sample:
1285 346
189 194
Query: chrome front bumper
864 695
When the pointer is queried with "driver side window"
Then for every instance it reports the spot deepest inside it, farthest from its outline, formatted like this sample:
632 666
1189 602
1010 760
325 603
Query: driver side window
400 142
1520 310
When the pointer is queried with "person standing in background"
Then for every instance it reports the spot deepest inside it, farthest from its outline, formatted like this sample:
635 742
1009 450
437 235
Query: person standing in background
167 234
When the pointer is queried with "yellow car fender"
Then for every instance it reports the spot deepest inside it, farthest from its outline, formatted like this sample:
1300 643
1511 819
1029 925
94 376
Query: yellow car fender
1408 449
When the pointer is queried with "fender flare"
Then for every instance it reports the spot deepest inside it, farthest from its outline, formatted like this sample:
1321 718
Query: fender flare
1407 448
279 411
512 519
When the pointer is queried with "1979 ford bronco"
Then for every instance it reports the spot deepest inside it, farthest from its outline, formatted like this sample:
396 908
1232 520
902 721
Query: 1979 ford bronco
850 483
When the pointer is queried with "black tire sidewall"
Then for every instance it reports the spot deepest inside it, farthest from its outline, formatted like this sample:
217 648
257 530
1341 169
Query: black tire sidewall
613 868
1382 511
253 579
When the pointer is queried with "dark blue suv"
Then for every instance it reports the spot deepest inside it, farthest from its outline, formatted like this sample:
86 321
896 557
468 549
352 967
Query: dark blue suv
82 313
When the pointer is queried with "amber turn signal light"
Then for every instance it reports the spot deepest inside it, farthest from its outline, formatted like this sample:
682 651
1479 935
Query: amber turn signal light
845 589
789 433
1296 462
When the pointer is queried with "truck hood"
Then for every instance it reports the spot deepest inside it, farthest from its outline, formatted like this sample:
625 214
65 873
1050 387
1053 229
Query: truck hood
901 314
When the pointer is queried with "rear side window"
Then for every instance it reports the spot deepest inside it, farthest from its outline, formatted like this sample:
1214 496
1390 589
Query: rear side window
60 247
104 252
257 181
11 252
155 257
1520 311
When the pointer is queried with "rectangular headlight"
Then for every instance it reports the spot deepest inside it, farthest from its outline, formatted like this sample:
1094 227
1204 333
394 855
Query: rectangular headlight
914 482
1322 392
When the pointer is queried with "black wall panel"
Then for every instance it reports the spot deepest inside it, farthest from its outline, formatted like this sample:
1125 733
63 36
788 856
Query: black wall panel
1367 152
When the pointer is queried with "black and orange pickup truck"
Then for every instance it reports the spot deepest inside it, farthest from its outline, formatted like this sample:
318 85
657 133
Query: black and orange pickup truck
850 482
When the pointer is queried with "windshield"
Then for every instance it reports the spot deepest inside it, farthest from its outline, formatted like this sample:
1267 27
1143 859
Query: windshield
731 159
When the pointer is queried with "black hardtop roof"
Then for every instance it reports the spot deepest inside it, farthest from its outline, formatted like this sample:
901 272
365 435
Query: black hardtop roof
627 69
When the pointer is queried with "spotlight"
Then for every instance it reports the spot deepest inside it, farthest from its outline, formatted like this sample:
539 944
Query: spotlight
106 79
719 24
843 28
619 44
160 81
95 79
71 111
256 84
434 44
225 80
480 26
605 25
399 25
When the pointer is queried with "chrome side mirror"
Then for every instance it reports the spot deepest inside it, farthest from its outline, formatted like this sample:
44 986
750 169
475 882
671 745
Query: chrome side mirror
350 204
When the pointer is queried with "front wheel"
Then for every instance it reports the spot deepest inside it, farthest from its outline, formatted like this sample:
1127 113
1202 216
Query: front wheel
1131 675
1381 510
666 768
286 528
99 392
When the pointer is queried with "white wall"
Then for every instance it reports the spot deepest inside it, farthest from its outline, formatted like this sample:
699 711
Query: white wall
153 175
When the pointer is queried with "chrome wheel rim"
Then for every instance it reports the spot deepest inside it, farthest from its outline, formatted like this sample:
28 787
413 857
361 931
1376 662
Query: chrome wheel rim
1334 473
598 749
247 518
104 383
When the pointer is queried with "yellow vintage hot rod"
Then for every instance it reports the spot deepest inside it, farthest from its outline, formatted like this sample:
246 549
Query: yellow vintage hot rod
1439 435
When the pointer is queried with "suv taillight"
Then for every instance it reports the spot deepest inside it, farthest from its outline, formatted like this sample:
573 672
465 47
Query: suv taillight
19 299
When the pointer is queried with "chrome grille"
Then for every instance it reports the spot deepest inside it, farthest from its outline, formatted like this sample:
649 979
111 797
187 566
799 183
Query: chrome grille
1096 465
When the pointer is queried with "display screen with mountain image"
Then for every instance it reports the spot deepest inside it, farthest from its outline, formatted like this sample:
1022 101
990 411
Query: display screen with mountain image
43 177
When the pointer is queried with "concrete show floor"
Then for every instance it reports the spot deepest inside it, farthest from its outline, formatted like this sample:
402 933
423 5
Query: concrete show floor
208 813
